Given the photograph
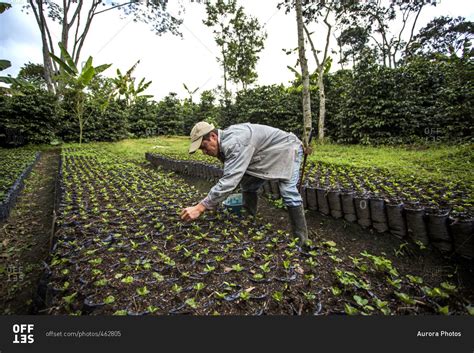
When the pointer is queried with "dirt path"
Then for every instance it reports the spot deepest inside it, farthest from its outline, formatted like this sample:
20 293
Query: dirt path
25 238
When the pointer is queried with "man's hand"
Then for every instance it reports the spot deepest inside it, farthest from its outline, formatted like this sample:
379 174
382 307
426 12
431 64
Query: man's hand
308 150
193 212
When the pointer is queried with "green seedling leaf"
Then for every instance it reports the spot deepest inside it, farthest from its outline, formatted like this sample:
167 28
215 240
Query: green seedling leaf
109 300
415 279
143 291
450 288
329 243
192 303
69 298
237 267
443 310
128 279
199 286
405 298
360 301
278 296
244 295
350 310
101 282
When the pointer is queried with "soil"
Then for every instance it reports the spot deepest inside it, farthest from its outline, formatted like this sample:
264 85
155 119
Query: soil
352 239
83 239
25 238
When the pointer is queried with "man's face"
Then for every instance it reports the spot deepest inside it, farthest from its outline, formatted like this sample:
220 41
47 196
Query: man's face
210 147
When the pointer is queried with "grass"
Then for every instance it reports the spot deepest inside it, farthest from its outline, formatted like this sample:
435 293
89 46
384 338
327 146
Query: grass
436 162
135 149
440 163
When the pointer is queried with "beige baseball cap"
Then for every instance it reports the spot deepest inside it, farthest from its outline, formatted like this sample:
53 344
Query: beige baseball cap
199 130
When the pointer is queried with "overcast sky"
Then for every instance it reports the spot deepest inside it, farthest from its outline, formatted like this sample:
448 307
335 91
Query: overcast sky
170 61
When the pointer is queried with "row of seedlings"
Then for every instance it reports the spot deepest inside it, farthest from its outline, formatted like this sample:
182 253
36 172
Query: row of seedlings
374 200
192 168
336 281
121 249
16 165
379 201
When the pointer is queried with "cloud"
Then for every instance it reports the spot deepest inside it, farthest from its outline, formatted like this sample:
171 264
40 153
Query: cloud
18 39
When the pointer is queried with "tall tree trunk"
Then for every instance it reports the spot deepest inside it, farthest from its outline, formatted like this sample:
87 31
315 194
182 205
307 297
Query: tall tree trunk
307 121
224 65
80 101
322 104
321 67
42 25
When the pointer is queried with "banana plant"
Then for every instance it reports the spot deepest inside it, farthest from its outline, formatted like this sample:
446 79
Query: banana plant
190 92
14 82
77 81
125 85
4 6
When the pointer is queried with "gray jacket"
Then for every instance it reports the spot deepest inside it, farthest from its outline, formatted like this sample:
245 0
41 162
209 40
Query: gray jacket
258 150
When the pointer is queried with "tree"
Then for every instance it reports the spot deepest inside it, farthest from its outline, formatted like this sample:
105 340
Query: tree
307 126
4 6
170 115
34 74
314 11
15 83
240 39
356 38
321 64
377 22
75 28
444 35
206 110
77 82
243 55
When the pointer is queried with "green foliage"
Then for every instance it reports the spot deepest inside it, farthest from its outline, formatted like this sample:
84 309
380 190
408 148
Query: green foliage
142 118
75 83
240 38
32 117
110 124
169 116
271 105
444 35
125 86
422 101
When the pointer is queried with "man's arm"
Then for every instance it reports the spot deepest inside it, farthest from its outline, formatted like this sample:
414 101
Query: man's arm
235 167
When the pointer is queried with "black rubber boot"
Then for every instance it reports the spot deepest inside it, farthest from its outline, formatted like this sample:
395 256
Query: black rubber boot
298 223
250 200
